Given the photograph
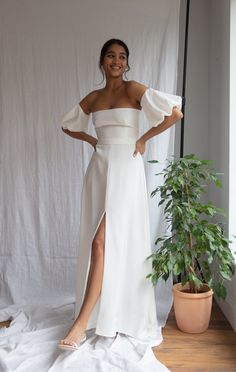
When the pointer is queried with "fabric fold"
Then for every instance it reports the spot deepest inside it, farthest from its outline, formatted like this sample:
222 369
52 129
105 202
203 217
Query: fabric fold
75 119
156 105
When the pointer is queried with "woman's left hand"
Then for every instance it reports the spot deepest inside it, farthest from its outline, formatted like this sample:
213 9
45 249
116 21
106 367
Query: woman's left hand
140 147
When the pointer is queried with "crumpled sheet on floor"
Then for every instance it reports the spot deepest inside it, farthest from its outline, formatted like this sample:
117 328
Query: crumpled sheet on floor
30 345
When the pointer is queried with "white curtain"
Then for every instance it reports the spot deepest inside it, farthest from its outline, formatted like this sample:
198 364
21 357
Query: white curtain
49 61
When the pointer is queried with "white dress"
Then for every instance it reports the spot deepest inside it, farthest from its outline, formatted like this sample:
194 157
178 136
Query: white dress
115 184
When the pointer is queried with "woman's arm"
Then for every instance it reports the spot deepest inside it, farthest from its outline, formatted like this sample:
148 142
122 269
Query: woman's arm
85 104
137 90
82 136
154 131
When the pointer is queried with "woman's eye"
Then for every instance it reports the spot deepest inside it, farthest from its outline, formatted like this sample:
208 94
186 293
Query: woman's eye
113 56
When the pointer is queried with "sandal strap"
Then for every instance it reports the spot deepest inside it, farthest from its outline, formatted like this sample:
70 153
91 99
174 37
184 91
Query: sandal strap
73 343
66 342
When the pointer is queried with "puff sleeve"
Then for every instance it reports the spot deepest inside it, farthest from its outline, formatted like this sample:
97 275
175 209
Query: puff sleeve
156 105
75 120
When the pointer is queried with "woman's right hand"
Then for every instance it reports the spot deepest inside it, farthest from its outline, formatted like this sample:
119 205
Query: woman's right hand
64 130
93 143
82 136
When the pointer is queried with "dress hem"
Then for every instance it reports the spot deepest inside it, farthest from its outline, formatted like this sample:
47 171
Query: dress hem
151 341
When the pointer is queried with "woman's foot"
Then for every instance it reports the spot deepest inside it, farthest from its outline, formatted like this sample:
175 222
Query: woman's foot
74 338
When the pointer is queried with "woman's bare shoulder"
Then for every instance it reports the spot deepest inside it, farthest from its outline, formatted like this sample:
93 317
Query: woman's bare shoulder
136 89
87 102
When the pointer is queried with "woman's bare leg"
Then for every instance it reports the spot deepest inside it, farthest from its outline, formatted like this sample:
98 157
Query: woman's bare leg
93 288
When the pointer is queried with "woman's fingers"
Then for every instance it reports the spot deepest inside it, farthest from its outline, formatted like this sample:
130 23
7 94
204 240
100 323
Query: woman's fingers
140 147
135 153
94 143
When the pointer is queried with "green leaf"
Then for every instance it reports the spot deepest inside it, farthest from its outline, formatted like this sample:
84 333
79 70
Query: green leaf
159 240
220 290
158 174
225 275
218 183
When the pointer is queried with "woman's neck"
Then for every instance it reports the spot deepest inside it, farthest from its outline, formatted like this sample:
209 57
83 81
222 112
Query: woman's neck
114 84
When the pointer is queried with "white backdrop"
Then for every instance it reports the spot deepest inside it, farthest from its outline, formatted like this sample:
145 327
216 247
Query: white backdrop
49 61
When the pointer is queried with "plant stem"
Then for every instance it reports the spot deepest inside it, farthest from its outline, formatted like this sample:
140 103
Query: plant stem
191 284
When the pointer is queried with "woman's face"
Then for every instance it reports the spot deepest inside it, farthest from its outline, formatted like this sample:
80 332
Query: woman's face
115 61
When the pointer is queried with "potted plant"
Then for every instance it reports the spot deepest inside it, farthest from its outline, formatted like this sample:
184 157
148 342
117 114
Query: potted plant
195 247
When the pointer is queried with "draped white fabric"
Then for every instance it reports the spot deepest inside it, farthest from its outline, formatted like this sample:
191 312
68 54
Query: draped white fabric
49 58
30 344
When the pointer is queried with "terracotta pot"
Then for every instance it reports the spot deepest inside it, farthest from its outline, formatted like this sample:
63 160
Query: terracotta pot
192 310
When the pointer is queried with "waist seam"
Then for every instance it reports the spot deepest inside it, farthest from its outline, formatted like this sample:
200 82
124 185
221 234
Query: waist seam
116 141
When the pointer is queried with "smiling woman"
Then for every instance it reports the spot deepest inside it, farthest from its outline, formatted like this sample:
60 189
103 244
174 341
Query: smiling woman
113 295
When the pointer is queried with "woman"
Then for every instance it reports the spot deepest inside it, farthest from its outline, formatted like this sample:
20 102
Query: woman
113 294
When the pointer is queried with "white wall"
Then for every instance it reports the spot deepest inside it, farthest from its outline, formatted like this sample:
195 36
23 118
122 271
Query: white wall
196 109
209 129
232 128
219 96
219 122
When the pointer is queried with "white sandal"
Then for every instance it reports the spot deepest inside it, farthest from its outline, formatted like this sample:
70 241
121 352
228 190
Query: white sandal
74 345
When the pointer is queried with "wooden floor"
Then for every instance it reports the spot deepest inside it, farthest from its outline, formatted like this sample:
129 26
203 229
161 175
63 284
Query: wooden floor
214 350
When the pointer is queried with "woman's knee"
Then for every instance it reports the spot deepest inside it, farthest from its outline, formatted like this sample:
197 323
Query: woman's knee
98 248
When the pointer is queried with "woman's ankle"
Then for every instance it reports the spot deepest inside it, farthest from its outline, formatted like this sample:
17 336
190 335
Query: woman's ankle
82 323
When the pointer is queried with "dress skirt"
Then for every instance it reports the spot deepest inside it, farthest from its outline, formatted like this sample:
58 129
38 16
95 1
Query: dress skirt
115 184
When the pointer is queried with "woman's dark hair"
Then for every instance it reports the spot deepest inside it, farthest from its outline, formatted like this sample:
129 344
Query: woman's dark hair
104 49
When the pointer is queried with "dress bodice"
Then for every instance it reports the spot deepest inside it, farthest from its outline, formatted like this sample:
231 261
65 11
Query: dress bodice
120 125
116 126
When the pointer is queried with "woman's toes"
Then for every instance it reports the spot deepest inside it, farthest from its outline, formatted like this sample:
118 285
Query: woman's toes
65 342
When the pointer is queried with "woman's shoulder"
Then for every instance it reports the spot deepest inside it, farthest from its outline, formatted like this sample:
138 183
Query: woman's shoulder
87 102
136 89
